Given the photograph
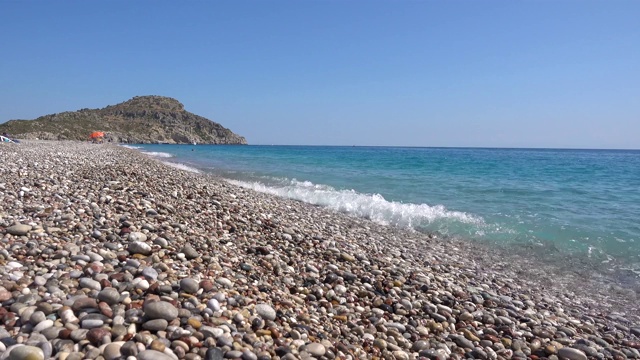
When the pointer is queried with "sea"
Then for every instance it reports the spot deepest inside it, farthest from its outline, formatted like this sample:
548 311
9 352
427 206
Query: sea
555 204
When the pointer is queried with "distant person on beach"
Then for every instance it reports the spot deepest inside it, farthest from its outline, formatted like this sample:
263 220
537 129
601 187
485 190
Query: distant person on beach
8 138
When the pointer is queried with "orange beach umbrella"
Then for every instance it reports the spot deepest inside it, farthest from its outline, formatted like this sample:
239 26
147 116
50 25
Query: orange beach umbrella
96 134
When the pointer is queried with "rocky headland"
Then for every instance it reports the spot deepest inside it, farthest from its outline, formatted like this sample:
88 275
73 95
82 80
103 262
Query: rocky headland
108 254
140 120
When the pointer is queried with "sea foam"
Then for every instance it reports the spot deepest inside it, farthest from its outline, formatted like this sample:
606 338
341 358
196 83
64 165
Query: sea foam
157 154
131 147
370 206
182 167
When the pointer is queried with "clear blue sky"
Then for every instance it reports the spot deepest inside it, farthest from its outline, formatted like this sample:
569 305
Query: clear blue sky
415 73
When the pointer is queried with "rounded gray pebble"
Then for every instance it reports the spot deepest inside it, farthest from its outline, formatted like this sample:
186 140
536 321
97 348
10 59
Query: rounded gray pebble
571 354
316 349
214 354
160 310
233 354
189 285
109 295
37 317
150 273
266 311
190 253
156 325
89 284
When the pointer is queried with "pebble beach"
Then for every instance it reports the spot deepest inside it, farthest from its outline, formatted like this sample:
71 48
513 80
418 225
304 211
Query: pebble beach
108 254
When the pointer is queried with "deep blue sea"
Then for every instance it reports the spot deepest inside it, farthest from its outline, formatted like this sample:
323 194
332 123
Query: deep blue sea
579 203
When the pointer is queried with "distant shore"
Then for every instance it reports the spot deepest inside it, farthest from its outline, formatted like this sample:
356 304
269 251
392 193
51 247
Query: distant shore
107 252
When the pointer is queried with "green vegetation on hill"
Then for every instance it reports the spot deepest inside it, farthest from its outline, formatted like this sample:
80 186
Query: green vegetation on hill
143 119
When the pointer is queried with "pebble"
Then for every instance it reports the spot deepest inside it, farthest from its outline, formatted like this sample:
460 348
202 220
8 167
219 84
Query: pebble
112 351
213 304
157 345
400 355
233 354
266 311
156 325
47 349
160 310
26 353
316 349
89 284
43 325
19 229
150 273
109 295
138 247
37 317
571 354
189 285
190 253
380 344
4 294
91 323
214 354
224 282
153 355
137 237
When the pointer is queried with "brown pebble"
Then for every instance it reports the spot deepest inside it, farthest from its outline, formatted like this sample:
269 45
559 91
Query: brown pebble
195 323
10 320
4 294
206 285
84 303
157 345
492 338
95 336
64 334
119 276
550 349
469 335
274 332
153 288
263 332
105 309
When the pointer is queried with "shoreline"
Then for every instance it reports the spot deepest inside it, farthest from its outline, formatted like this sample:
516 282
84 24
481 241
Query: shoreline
300 280
583 275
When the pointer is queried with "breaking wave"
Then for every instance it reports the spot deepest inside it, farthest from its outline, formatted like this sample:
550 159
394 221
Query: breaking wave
158 154
131 147
182 167
421 217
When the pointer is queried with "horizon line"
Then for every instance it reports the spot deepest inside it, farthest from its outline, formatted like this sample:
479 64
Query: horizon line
423 147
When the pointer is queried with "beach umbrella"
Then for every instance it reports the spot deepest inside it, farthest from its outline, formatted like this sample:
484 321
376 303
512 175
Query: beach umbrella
96 134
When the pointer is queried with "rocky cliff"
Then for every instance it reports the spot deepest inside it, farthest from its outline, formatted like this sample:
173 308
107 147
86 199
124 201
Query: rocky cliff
141 120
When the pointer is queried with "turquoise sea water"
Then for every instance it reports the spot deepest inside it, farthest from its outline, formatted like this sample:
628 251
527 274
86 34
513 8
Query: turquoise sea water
579 203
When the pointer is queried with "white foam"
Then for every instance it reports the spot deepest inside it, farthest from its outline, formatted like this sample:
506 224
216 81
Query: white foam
182 167
370 206
157 154
131 147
